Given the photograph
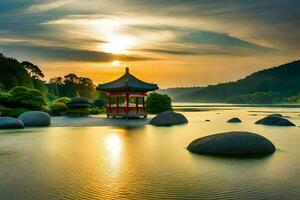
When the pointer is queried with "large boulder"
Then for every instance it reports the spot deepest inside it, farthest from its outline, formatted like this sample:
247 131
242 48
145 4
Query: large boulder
234 120
9 122
244 144
35 118
168 118
274 121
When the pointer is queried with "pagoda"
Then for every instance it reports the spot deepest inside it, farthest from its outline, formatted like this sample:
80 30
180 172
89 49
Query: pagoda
126 96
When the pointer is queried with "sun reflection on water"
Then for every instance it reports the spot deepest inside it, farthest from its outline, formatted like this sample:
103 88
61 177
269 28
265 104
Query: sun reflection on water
114 146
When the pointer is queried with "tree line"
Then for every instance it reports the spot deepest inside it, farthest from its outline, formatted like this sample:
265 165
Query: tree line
272 85
15 73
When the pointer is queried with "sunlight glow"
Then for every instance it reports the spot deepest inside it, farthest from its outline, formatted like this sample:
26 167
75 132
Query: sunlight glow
118 44
116 63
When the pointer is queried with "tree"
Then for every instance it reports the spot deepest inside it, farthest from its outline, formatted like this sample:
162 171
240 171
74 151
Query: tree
13 74
255 98
71 79
33 70
157 103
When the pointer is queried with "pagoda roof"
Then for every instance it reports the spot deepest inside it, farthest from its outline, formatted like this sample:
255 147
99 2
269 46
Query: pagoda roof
127 82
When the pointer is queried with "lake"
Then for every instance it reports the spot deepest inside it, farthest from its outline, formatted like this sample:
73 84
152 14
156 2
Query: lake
149 162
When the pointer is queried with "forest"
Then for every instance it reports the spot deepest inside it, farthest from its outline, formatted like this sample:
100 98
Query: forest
273 85
22 88
14 73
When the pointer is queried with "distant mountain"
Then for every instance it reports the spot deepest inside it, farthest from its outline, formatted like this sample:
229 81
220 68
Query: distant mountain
178 91
282 81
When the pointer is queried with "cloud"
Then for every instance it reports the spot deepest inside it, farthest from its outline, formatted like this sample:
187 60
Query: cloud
66 54
48 5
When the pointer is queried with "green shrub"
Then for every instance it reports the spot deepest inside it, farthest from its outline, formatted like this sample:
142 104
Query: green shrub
62 100
97 111
3 110
15 112
100 102
23 97
58 108
294 99
4 98
157 103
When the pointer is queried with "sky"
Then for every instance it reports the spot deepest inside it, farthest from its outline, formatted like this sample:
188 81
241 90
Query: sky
174 43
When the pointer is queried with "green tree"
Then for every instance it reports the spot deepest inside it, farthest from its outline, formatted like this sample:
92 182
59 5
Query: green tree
33 70
157 103
13 74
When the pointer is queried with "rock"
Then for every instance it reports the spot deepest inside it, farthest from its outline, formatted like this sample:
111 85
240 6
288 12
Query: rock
244 144
274 121
9 122
207 120
275 115
168 118
79 102
234 120
78 106
35 118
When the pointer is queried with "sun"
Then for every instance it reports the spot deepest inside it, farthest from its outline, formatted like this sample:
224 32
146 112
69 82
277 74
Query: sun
116 63
118 44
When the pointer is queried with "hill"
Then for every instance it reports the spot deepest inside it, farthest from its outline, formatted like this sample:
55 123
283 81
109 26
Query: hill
178 91
277 83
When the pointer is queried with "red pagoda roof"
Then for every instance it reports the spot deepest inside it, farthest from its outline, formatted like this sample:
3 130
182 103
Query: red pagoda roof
127 82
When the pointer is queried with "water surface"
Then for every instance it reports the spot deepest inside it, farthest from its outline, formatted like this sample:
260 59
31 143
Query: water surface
149 162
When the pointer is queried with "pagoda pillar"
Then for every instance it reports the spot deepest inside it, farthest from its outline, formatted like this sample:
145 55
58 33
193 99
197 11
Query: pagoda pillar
117 105
127 103
137 104
109 104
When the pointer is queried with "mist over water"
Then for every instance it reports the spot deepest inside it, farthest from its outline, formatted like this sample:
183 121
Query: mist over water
149 162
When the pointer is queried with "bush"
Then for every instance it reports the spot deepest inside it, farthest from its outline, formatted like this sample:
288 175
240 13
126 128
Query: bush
157 103
97 111
15 112
100 102
294 99
24 98
58 108
62 100
3 110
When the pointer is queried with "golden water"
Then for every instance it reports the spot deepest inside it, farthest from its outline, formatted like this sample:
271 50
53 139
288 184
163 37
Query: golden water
149 162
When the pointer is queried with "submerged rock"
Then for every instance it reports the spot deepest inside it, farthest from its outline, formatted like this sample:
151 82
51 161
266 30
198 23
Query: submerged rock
233 144
275 115
35 118
274 121
168 118
9 122
234 120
